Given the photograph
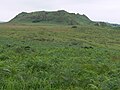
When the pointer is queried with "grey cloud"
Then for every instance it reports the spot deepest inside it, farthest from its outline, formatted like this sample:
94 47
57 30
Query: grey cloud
105 10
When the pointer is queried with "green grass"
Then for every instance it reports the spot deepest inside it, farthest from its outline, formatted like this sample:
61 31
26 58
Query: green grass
58 57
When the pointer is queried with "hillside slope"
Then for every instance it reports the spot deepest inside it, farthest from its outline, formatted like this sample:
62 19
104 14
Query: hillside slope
58 57
55 17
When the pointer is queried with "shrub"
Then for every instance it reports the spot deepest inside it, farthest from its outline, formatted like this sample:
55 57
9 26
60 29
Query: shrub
74 26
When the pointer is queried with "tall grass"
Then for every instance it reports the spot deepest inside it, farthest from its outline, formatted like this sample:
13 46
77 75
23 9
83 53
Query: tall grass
59 57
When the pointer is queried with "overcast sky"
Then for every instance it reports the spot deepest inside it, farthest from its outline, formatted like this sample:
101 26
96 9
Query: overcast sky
97 10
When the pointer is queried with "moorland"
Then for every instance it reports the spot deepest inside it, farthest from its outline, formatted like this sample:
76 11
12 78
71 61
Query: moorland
63 54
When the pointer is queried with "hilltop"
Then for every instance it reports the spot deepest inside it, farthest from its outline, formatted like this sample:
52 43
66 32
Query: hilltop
53 17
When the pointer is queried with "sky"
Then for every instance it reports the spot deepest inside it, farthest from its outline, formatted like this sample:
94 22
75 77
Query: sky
96 10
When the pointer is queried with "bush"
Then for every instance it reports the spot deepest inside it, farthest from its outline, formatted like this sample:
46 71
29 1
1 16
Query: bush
74 26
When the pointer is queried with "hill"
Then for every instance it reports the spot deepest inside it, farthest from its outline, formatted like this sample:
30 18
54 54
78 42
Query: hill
58 57
55 17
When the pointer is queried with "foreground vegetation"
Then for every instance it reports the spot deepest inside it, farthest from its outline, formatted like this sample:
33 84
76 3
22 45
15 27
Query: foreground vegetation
52 57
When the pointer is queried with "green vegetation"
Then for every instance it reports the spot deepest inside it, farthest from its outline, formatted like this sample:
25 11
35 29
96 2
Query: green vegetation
55 17
58 57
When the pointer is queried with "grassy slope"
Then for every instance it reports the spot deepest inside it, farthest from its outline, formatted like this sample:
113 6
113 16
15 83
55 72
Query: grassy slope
52 57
